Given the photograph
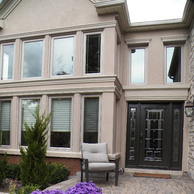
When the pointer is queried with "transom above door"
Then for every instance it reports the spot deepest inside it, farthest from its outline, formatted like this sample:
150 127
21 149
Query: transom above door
154 135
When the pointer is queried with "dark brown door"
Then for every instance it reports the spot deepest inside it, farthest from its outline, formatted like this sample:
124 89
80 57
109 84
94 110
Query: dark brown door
154 136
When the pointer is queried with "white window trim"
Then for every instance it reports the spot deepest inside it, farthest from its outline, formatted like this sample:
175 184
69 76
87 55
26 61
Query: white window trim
1 57
99 116
20 115
51 58
165 64
145 65
101 54
22 62
49 148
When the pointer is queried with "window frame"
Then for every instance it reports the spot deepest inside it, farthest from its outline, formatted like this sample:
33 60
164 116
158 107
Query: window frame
1 62
99 115
52 55
165 63
22 59
145 65
21 116
71 130
6 100
101 53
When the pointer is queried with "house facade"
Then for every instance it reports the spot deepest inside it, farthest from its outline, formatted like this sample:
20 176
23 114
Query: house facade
103 78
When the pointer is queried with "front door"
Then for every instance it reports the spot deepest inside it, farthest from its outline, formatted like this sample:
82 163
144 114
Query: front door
154 135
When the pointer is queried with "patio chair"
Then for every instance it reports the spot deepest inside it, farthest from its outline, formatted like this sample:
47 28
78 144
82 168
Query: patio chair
95 160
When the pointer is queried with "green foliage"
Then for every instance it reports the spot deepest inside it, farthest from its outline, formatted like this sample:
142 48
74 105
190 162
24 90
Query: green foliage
13 171
34 169
58 173
3 163
28 189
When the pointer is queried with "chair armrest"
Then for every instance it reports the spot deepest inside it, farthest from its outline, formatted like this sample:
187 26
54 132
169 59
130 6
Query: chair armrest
85 163
114 156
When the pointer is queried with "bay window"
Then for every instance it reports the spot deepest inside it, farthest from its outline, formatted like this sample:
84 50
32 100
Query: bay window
61 109
7 60
28 109
5 116
91 119
93 53
63 52
32 59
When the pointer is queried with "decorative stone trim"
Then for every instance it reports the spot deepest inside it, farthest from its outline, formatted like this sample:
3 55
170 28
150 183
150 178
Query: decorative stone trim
138 42
174 39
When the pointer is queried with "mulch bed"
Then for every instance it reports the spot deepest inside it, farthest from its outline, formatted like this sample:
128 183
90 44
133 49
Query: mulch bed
6 183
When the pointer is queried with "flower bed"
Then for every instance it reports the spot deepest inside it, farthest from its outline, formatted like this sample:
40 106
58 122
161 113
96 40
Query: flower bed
79 188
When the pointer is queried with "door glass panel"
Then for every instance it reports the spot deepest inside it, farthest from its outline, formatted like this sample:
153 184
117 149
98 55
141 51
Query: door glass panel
154 134
176 132
132 129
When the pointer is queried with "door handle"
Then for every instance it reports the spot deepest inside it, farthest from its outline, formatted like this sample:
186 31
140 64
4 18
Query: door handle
141 137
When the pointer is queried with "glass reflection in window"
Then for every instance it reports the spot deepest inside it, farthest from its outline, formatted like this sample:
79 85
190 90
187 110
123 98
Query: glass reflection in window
63 56
137 65
33 52
173 57
7 61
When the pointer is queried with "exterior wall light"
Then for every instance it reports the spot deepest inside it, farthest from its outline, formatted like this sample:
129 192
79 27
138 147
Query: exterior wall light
189 109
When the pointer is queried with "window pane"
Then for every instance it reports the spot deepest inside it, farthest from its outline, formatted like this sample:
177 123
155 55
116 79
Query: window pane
28 109
32 66
137 65
91 117
93 52
173 64
61 123
5 114
7 61
63 56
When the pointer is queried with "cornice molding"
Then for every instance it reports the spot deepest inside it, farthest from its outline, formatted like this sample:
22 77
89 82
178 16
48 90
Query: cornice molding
138 42
174 39
8 8
55 31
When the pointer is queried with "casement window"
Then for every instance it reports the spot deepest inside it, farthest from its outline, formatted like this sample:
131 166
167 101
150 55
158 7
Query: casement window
5 118
28 109
7 60
63 52
93 53
173 64
138 65
61 110
91 120
32 59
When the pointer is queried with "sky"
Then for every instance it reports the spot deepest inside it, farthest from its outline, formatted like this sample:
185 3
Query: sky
152 10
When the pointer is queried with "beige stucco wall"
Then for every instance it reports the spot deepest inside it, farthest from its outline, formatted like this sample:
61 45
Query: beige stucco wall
45 19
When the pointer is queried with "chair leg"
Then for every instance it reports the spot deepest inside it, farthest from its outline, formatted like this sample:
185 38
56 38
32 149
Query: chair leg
81 175
87 176
116 178
107 174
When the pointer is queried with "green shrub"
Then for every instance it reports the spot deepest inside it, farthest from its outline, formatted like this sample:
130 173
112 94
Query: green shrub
3 164
57 173
28 189
13 171
34 169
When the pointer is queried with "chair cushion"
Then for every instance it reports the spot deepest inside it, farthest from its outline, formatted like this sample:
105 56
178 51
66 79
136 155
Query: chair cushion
101 166
95 152
96 157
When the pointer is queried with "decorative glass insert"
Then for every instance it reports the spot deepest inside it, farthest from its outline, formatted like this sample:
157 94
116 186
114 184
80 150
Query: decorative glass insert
91 119
176 134
173 61
137 66
61 122
132 131
63 49
32 61
93 53
5 116
7 61
154 134
28 108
